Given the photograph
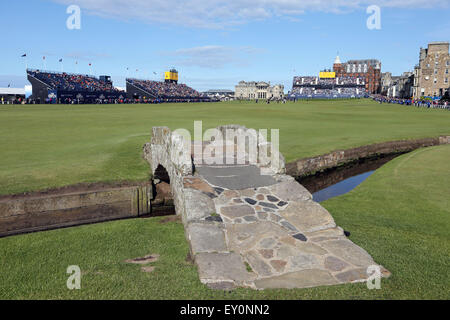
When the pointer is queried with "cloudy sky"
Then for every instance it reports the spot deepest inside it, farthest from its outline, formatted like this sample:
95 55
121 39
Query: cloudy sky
214 44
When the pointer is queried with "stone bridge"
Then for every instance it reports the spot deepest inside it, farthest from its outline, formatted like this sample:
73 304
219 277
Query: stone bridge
250 224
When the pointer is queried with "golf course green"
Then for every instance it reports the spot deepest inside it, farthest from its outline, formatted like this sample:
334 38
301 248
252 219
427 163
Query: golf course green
49 146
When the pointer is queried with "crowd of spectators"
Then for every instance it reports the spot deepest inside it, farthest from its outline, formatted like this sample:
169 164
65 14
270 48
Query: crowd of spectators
328 88
311 92
305 81
166 90
346 81
426 103
73 82
339 81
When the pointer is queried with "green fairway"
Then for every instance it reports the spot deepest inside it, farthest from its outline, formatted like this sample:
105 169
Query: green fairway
400 215
46 146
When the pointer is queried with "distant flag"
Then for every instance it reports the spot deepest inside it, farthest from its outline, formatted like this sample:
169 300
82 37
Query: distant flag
24 55
60 60
154 72
90 64
43 58
9 85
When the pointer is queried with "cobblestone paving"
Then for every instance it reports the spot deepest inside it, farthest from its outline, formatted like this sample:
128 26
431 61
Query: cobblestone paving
273 236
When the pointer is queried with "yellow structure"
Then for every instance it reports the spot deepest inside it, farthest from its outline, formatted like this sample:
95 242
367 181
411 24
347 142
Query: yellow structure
171 76
327 75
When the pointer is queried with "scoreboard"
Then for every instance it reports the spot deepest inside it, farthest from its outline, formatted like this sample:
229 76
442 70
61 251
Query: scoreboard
171 76
327 75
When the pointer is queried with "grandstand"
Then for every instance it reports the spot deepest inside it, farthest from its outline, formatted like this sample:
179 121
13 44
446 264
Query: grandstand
61 87
167 91
327 86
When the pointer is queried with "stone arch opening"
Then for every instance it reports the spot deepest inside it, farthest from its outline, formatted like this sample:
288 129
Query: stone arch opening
162 194
161 174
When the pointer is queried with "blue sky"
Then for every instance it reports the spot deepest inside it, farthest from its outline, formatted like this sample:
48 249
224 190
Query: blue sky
214 44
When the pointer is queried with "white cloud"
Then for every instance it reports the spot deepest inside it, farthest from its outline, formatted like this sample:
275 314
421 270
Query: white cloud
213 56
223 13
81 55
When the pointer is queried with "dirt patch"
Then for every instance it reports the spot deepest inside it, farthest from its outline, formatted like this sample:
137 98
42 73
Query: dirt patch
76 188
148 269
174 218
144 260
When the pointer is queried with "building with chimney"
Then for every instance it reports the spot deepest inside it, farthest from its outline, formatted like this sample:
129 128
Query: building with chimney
431 75
253 90
369 69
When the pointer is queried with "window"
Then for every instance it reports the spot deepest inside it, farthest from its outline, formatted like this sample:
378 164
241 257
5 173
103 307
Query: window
435 71
435 80
446 80
446 71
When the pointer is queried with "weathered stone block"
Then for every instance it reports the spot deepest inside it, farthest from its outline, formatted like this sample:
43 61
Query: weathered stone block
299 279
290 191
215 267
206 238
197 205
308 216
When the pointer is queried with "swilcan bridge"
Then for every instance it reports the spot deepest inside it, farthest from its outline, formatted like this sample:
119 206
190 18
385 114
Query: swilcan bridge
250 224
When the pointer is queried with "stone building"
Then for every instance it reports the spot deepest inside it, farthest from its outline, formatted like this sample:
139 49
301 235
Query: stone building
397 86
431 75
220 94
253 90
370 69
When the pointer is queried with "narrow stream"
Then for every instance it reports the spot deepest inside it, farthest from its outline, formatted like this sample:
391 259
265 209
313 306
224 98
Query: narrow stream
334 182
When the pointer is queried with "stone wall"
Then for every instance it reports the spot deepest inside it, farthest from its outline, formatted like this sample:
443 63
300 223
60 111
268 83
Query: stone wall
309 166
34 213
172 152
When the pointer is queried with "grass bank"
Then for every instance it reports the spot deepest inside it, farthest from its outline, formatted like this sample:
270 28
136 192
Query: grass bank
400 215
